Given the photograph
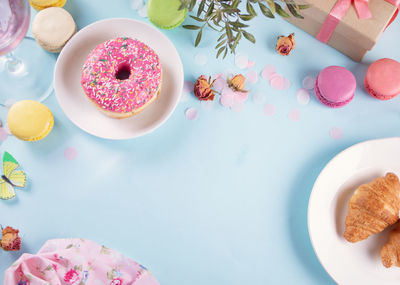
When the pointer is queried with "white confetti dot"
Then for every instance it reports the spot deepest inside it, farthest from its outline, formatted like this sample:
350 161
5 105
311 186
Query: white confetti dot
136 4
309 82
201 59
10 102
142 12
303 96
258 97
252 77
207 105
191 114
241 61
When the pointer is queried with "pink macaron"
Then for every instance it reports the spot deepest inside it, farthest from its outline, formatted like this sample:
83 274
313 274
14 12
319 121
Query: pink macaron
383 79
335 86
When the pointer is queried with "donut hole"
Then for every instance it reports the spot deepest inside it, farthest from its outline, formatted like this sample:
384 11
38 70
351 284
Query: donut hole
123 72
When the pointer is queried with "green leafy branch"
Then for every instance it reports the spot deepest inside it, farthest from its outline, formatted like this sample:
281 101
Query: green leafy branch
225 17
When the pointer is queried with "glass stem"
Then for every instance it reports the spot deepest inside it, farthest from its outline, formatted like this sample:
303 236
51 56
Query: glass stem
14 64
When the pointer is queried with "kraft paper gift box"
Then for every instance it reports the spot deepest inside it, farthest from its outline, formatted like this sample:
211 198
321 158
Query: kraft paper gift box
352 36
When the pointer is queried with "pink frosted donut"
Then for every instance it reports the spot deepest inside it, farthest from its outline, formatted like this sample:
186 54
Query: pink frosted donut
122 76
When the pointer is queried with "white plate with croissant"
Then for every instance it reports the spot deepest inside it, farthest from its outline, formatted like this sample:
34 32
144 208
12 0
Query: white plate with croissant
353 213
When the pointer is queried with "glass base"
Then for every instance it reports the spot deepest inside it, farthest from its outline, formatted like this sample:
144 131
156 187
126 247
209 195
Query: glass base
26 73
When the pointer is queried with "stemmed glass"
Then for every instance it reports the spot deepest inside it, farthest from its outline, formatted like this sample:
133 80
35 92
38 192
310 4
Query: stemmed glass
26 70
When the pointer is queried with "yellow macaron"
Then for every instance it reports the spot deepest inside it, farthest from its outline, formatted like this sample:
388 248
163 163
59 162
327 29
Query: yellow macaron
42 4
29 120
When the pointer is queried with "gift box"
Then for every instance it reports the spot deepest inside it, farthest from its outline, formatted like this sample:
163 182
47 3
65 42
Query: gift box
354 34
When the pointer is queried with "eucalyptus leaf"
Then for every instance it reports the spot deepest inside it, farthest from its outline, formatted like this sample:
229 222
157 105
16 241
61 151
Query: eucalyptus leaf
249 37
198 38
190 27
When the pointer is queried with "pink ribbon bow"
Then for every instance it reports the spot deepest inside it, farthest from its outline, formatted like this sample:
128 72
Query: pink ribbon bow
337 13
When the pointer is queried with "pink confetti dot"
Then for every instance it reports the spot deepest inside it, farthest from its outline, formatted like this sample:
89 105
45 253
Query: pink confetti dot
251 64
286 83
277 82
191 114
241 61
252 77
227 97
294 115
240 97
309 82
303 96
336 133
237 107
268 71
70 153
269 110
188 86
3 134
219 84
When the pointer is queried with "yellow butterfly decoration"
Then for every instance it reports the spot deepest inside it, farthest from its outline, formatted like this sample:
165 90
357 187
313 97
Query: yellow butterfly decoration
11 177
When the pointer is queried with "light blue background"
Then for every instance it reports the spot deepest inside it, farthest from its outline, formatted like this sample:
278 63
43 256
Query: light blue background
219 200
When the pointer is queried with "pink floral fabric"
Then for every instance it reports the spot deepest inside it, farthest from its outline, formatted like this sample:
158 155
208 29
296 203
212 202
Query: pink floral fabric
77 262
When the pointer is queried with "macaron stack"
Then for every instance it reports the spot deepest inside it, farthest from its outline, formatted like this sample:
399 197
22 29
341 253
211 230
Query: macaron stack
43 4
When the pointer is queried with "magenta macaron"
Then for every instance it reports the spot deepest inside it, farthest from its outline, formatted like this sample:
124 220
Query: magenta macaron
335 86
383 79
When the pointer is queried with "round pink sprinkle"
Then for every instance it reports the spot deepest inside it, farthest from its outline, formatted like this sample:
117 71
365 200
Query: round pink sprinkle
336 133
241 61
294 115
70 153
3 134
237 107
309 82
191 114
188 86
252 77
269 110
251 64
277 82
268 71
303 96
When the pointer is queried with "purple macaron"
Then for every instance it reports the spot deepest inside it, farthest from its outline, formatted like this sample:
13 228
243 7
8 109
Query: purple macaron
335 86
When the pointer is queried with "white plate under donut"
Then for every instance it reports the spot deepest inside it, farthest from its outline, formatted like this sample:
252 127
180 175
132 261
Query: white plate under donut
73 101
349 263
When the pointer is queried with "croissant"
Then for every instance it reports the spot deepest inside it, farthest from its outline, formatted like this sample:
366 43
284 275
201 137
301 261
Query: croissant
373 207
390 252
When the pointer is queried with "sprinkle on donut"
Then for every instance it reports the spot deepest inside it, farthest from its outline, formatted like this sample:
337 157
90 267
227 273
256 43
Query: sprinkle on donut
121 75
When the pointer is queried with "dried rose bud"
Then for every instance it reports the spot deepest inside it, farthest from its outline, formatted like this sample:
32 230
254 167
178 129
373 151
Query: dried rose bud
202 89
10 240
285 44
237 83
